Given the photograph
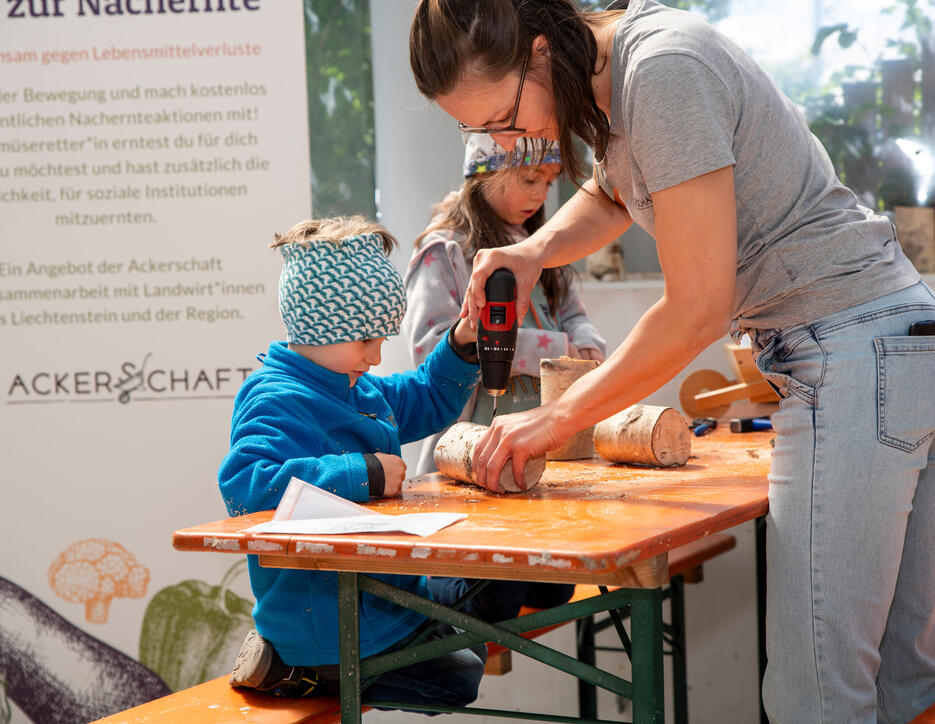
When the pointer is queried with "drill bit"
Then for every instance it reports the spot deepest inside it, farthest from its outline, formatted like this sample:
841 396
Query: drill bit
497 397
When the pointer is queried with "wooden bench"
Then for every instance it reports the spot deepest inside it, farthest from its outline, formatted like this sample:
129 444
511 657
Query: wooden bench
926 717
215 701
685 561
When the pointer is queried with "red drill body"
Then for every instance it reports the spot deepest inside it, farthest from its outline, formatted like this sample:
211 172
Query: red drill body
496 333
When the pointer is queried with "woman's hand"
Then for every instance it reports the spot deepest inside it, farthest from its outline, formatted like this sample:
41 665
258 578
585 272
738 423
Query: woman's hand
515 438
521 259
394 472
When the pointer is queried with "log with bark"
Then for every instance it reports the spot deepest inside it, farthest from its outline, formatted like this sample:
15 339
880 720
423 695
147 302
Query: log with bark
645 435
556 376
454 455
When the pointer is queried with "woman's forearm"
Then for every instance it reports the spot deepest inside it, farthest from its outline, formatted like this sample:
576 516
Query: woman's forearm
588 221
645 361
696 236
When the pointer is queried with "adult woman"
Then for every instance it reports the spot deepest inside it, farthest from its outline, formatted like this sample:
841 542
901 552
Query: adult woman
754 234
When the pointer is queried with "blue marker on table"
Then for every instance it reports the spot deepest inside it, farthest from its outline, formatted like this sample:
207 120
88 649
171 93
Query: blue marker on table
750 424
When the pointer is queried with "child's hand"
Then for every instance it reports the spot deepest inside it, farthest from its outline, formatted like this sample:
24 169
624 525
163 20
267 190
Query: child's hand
584 353
394 472
590 353
465 333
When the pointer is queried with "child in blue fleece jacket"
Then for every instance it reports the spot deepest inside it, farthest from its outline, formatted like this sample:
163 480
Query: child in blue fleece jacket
314 412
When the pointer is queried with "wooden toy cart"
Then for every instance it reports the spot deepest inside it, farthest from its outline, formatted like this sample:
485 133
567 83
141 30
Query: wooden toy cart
707 393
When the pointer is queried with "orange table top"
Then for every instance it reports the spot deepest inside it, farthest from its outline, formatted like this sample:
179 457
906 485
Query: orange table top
586 521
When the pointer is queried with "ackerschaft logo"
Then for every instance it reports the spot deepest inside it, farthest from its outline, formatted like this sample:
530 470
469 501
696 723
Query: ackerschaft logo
141 381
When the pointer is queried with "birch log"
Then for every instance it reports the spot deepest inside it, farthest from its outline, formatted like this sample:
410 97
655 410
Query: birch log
644 434
556 376
454 453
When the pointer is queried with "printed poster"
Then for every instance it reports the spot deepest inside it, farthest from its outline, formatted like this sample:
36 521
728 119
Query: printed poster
149 150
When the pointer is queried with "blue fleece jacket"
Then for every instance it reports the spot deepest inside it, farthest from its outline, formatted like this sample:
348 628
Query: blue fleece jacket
295 418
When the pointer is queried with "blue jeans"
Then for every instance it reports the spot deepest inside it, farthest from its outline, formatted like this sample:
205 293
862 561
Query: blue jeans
850 619
500 600
447 680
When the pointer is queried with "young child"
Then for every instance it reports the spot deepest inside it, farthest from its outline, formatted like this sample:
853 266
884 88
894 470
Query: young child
314 412
495 207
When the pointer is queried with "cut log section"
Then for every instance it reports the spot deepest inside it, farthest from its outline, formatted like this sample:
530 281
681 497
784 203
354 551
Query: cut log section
645 435
556 376
454 453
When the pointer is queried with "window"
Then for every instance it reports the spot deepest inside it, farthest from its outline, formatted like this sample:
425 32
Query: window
340 107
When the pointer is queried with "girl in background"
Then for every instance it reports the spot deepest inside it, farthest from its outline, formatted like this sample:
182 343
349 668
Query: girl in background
495 207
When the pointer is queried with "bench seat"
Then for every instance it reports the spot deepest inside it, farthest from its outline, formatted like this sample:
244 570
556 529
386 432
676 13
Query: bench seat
926 717
215 701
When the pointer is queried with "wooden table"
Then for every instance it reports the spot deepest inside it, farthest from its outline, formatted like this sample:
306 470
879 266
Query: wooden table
586 522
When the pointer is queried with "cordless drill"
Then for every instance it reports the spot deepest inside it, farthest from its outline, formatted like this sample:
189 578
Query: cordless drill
496 333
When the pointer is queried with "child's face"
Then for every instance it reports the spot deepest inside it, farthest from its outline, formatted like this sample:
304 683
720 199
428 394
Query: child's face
523 194
347 358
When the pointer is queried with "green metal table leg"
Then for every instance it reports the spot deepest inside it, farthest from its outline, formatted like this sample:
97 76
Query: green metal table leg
679 657
587 693
646 634
349 637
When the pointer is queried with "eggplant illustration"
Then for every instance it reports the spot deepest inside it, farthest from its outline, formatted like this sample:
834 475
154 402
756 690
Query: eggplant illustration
58 674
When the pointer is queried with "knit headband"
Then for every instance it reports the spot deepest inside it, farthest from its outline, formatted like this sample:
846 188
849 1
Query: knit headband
340 292
483 155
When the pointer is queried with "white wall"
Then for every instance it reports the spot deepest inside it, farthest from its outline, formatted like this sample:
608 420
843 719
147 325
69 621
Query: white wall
418 162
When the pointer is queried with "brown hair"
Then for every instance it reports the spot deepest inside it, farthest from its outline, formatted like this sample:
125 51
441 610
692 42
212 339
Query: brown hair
493 37
334 229
469 214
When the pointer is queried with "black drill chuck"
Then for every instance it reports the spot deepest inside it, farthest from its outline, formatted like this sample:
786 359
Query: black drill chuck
496 331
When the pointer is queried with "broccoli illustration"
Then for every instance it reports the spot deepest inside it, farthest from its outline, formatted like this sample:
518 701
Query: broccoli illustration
95 570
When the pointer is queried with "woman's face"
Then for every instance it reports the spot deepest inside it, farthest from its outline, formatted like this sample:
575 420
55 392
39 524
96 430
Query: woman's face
481 101
522 194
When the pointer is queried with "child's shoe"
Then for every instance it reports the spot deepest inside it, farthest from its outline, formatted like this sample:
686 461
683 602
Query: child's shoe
258 666
253 663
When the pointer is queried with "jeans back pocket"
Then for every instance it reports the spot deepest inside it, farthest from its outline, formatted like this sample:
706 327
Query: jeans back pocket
905 390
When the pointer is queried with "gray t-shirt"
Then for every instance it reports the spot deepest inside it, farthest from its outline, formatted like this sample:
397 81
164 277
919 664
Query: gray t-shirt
688 101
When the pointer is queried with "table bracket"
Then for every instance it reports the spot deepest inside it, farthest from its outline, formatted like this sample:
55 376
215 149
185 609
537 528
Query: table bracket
645 605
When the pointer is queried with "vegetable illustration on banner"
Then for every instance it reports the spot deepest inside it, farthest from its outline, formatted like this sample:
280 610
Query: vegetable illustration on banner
56 673
95 571
192 631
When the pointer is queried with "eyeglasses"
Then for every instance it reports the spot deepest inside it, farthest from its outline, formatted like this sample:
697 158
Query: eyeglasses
511 129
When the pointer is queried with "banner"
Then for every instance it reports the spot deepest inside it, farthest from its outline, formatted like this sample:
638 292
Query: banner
149 149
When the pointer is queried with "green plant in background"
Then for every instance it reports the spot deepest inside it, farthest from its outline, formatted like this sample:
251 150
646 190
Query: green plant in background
192 631
877 121
340 106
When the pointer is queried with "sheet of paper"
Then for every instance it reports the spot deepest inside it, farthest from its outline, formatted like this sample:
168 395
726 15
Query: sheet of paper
415 523
305 508
303 500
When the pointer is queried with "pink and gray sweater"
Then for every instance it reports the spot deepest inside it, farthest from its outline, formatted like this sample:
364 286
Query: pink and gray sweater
436 282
